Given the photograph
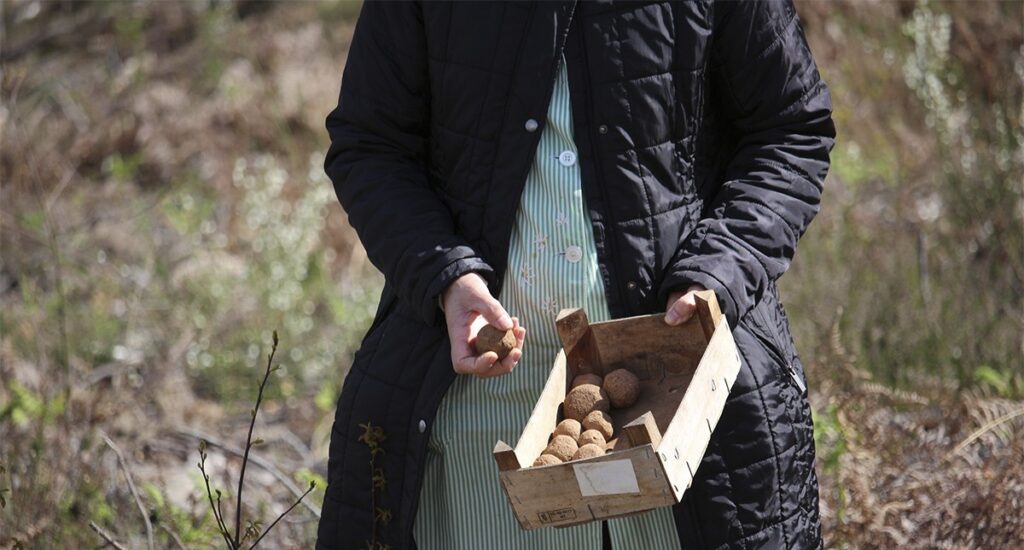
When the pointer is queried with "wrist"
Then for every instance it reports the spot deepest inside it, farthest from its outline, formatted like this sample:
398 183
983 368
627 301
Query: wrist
460 282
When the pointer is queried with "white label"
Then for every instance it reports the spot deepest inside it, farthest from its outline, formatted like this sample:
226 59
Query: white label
612 477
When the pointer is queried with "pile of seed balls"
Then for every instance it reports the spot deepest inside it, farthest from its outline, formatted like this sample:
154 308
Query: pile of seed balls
587 428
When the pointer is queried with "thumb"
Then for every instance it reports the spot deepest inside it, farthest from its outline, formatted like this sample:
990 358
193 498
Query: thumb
494 314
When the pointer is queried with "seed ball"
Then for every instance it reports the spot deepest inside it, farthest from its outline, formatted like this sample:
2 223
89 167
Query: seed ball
562 447
583 399
568 427
623 388
586 379
546 460
589 450
591 437
600 421
496 340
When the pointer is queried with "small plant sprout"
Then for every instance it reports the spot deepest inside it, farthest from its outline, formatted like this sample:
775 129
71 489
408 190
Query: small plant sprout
236 538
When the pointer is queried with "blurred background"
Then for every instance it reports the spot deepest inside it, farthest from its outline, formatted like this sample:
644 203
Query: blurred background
163 209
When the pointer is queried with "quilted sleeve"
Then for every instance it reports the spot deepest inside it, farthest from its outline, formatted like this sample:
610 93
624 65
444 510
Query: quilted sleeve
781 112
378 160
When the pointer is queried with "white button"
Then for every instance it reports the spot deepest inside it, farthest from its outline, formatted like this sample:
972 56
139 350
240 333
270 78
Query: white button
531 125
567 158
422 426
573 254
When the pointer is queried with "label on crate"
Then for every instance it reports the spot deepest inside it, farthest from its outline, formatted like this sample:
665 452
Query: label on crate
611 477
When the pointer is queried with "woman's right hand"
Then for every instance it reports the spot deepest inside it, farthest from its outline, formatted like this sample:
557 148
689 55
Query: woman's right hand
468 306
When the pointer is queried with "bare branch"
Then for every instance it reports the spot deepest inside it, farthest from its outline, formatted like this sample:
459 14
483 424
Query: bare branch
248 438
105 536
131 487
312 486
256 460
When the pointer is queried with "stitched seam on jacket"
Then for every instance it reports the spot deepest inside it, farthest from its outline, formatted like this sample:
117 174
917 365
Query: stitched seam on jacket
793 169
618 10
776 453
662 213
790 226
780 35
804 94
771 525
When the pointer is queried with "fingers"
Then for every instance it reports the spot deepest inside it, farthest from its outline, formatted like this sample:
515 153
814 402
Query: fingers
492 311
681 309
486 365
682 306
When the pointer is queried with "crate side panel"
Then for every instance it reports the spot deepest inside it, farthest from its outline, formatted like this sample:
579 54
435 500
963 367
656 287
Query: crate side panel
551 496
684 443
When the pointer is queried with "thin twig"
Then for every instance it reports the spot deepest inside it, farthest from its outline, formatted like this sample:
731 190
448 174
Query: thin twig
217 516
248 438
174 536
131 486
105 536
256 460
283 514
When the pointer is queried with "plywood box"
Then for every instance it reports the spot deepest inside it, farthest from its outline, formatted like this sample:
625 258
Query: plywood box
685 373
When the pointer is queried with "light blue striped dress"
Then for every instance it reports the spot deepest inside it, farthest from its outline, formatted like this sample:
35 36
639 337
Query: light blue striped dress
552 264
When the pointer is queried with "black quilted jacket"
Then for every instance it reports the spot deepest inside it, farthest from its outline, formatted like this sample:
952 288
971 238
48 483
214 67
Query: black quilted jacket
703 131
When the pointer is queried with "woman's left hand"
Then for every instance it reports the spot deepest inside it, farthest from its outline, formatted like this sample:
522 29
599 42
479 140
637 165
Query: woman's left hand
681 306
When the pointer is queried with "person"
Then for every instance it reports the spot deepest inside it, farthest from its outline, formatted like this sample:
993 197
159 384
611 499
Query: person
501 161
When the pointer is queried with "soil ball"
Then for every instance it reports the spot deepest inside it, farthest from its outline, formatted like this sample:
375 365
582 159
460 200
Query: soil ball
493 339
600 421
623 388
546 460
586 379
589 451
583 399
568 427
591 437
562 447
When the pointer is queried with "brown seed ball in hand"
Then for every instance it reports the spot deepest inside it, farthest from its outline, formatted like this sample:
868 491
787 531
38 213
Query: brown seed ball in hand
589 450
583 399
496 340
623 388
591 437
600 421
586 379
569 427
562 447
546 460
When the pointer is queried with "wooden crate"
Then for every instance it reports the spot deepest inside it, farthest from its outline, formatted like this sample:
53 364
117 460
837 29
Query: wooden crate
685 372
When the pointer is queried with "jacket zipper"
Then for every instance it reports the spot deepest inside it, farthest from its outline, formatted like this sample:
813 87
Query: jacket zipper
778 356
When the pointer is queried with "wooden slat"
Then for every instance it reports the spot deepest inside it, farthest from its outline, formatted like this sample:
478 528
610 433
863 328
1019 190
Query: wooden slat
683 444
581 351
544 417
550 496
643 431
708 312
506 457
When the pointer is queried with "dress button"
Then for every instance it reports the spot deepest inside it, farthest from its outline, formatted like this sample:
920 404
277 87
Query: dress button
531 125
631 285
567 158
602 129
423 426
573 254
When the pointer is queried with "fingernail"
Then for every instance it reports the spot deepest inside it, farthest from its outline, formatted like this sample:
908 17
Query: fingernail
671 317
504 322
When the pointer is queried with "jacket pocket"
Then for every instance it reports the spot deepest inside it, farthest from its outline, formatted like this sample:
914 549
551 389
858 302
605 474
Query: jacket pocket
767 333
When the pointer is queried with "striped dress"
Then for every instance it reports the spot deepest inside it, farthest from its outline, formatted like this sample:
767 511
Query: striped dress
552 264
